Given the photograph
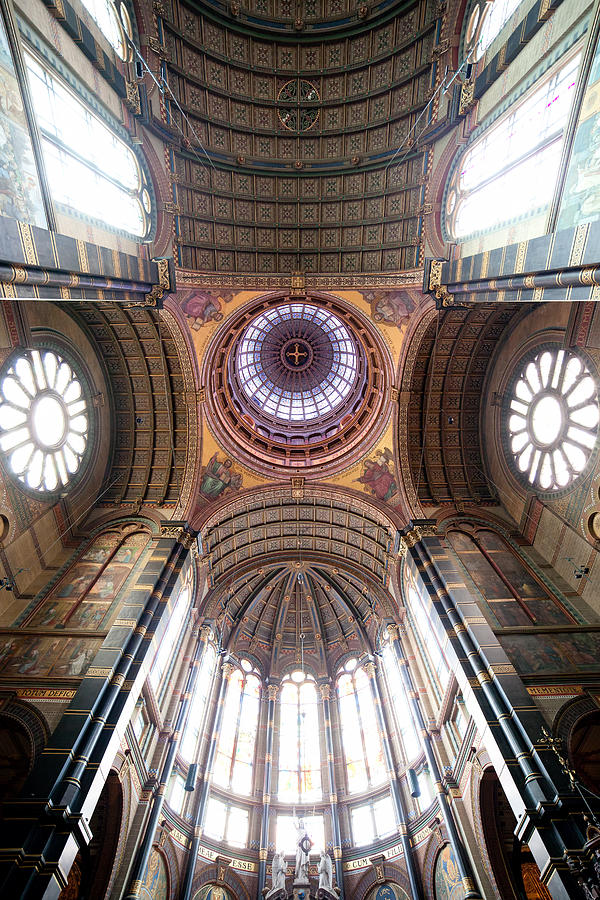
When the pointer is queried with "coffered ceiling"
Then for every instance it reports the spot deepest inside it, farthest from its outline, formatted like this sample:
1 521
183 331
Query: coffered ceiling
297 151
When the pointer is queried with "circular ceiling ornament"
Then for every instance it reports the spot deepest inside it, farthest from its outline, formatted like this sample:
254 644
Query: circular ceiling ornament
297 383
44 420
297 363
293 112
551 419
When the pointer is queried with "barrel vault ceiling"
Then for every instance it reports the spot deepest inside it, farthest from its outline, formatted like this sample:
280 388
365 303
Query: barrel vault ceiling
295 149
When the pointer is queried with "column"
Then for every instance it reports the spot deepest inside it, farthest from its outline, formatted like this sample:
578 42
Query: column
550 815
42 835
333 798
398 800
273 691
145 847
460 853
186 888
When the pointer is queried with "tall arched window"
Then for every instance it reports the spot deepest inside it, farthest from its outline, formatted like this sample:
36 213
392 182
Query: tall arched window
485 21
170 638
365 767
91 171
513 594
113 21
234 759
411 744
198 702
299 750
509 172
428 627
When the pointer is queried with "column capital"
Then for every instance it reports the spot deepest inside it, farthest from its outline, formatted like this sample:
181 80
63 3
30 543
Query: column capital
325 690
392 630
205 633
370 668
273 691
417 530
227 669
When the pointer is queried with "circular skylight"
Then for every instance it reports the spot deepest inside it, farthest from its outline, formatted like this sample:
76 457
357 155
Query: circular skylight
43 420
297 363
552 418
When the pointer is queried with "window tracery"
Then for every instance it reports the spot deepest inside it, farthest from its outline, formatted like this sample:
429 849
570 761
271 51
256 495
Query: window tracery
91 171
428 628
513 594
234 760
299 750
400 704
365 767
44 419
552 418
198 705
226 822
485 20
509 171
113 21
372 821
170 638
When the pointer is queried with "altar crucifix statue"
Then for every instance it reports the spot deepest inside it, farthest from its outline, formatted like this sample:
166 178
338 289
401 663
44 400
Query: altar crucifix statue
303 846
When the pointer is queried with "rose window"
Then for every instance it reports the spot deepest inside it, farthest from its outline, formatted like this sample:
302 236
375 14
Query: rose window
552 418
43 420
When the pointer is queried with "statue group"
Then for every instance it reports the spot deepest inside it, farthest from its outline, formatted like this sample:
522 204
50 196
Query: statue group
303 848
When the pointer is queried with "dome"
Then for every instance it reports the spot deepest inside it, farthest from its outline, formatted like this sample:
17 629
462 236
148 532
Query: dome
297 383
297 363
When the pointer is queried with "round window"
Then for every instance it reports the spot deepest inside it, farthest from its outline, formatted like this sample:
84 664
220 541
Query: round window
43 419
552 418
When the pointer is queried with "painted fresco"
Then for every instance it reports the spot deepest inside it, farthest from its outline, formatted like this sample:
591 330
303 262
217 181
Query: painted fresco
494 572
446 877
212 892
20 195
46 655
154 881
85 597
553 653
378 476
581 195
388 892
217 477
390 307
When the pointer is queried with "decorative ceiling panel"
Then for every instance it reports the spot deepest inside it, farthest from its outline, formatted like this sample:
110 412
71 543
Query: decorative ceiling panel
444 411
154 438
289 161
262 529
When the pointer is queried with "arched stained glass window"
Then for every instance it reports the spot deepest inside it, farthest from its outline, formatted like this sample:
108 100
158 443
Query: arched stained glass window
513 594
429 629
197 709
485 21
363 750
170 638
234 759
113 21
509 172
299 750
91 171
400 704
